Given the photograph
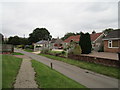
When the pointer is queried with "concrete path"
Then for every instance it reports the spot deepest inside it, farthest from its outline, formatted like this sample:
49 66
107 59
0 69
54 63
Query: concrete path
84 77
26 75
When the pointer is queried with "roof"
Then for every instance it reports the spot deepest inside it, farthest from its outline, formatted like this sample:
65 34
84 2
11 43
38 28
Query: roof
77 37
58 41
41 42
94 36
115 34
53 40
74 38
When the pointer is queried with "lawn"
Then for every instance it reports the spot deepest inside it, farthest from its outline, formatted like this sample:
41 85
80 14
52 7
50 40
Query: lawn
17 53
54 52
28 50
109 71
49 78
10 68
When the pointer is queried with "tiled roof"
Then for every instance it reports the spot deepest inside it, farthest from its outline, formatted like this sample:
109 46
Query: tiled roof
113 34
94 36
77 37
74 38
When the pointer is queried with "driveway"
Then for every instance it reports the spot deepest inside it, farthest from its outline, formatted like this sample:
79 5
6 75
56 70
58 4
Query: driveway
90 80
107 55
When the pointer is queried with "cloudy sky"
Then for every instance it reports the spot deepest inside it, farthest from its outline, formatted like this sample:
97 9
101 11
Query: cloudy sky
59 17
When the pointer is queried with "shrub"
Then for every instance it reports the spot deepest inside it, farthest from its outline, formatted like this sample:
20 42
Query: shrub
31 47
65 49
20 46
45 50
101 49
63 52
77 50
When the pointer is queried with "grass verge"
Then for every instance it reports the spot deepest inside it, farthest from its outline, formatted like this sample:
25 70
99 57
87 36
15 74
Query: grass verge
10 68
28 50
17 53
105 70
49 78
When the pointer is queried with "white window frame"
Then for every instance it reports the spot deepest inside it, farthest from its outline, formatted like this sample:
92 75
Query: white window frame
110 41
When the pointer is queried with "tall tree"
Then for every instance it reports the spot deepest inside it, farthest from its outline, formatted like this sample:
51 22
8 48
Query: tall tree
39 34
24 41
14 40
85 43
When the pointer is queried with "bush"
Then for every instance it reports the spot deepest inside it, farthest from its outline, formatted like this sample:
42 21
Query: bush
101 49
70 51
45 50
65 49
31 47
20 46
63 52
77 50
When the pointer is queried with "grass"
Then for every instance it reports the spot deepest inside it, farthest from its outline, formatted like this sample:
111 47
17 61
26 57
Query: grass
10 68
17 53
28 50
57 52
105 70
54 52
49 78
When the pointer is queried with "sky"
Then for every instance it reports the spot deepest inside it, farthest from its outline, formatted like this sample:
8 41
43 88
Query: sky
21 17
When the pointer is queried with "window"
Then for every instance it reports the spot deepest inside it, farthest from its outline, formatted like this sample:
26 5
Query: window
110 44
113 43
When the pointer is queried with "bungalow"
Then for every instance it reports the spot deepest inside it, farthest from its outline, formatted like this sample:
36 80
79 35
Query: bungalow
56 43
96 40
112 42
40 45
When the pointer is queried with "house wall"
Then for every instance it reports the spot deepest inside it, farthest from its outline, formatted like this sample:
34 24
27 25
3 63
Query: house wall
114 50
98 43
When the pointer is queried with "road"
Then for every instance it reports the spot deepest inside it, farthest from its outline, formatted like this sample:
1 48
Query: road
82 76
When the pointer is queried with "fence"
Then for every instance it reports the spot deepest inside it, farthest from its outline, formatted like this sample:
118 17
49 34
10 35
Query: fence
6 48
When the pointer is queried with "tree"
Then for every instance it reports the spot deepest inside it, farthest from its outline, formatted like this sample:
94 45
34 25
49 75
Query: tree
93 32
14 40
85 43
106 31
67 35
39 34
24 41
78 33
1 38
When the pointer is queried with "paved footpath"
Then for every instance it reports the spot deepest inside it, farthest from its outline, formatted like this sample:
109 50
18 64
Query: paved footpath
82 76
26 75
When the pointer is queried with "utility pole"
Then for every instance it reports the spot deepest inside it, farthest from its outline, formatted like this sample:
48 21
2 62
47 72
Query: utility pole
24 35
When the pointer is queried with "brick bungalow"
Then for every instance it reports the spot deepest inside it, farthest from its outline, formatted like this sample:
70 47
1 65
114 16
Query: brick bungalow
112 42
96 40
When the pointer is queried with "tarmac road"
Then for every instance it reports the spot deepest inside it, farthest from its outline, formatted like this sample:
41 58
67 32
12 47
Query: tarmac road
82 76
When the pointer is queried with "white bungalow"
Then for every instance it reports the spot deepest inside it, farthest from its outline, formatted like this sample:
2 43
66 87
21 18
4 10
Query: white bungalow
40 45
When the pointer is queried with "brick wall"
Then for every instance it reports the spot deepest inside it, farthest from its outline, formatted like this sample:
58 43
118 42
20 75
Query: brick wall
103 61
114 50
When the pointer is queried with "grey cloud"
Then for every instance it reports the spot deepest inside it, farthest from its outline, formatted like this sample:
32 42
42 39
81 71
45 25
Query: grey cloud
58 18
